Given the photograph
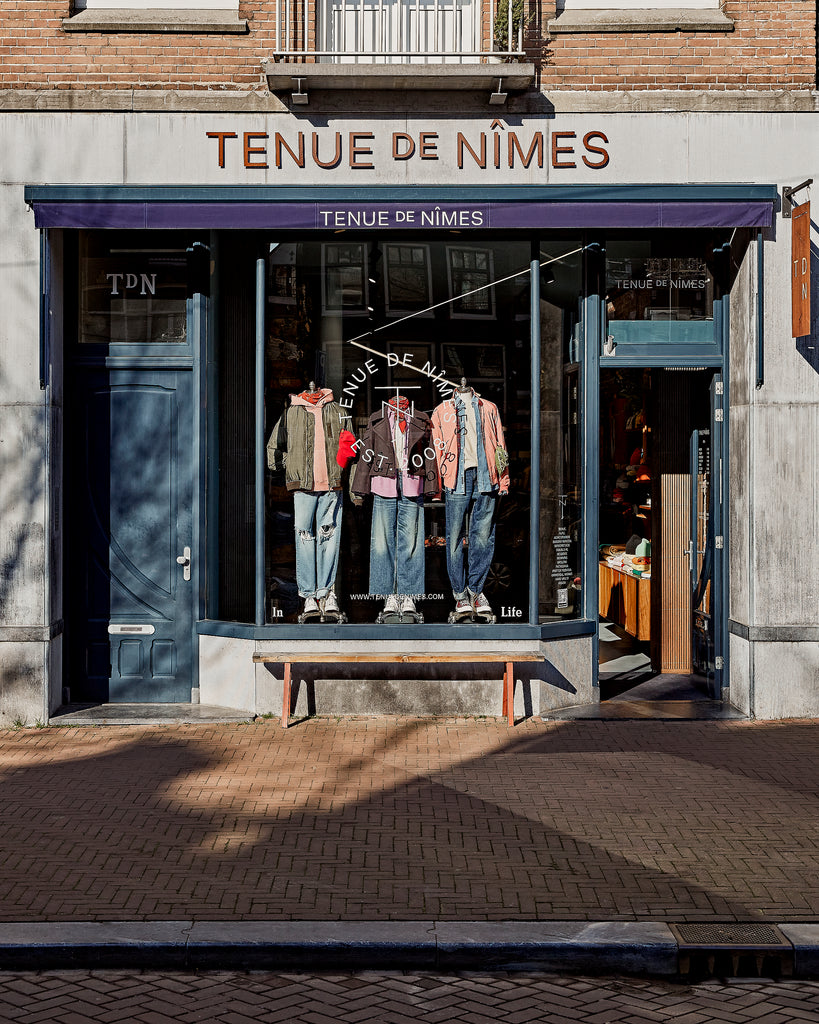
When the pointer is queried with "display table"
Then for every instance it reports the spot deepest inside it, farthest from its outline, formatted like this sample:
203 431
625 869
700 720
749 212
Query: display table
625 600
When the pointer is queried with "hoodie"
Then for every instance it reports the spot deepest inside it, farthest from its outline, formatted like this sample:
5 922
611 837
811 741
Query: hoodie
304 443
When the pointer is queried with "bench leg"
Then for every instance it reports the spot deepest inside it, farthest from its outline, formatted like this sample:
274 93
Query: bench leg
286 696
509 692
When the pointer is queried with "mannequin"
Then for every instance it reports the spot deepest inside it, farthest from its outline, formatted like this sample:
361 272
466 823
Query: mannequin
312 423
474 468
397 466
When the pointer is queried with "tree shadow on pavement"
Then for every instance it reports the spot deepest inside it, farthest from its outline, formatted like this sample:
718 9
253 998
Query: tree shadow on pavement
414 821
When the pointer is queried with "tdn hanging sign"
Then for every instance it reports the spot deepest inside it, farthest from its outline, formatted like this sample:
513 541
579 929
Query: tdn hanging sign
800 270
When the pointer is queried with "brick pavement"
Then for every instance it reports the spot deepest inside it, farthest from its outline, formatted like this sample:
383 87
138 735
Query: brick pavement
111 997
405 819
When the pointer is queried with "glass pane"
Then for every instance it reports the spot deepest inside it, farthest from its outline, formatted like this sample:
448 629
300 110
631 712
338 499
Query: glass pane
653 294
560 583
133 288
360 369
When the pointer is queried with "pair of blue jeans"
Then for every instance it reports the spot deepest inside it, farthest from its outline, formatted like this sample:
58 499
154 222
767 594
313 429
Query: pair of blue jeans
481 508
317 521
397 546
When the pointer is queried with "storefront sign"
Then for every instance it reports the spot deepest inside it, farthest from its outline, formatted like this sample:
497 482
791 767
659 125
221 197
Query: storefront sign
497 147
651 283
429 215
144 283
800 269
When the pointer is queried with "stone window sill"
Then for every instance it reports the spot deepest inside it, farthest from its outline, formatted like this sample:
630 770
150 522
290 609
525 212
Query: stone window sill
668 19
155 20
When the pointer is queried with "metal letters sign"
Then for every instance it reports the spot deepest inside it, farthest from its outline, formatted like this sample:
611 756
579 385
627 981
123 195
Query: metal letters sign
800 270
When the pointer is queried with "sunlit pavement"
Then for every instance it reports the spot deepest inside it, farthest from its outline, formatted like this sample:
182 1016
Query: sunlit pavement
411 844
393 998
412 820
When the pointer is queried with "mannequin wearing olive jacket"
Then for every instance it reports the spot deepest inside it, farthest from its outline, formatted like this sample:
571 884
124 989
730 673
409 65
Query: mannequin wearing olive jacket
304 444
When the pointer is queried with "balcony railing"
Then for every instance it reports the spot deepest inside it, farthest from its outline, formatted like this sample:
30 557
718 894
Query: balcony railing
397 31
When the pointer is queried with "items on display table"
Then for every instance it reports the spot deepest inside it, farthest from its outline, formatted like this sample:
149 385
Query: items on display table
633 557
305 444
474 469
397 466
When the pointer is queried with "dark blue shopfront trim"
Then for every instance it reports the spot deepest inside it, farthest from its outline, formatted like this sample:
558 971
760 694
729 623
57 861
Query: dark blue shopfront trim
427 631
289 208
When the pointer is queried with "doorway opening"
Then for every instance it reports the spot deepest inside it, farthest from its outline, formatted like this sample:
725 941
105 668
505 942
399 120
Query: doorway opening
661 536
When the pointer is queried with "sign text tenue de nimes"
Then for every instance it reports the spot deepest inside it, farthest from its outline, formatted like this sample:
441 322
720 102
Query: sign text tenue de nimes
473 147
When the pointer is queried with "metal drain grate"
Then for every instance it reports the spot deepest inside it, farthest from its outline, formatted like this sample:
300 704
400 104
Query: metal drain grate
734 949
737 935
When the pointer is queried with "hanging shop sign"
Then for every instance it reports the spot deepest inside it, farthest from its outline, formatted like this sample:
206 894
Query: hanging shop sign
800 270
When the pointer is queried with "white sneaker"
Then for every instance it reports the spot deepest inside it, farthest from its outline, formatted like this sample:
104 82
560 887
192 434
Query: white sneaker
481 605
407 605
463 607
391 605
329 604
311 606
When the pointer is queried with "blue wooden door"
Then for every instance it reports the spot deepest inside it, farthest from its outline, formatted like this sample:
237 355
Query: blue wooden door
129 487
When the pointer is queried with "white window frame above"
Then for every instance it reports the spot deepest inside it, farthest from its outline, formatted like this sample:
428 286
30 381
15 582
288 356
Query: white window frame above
635 5
149 5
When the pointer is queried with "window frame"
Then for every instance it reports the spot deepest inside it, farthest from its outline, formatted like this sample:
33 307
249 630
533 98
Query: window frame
149 5
635 5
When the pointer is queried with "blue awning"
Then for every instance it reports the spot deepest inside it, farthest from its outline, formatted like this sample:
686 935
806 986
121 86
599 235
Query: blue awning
393 209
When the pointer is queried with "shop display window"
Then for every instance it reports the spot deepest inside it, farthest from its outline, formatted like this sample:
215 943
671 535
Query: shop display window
398 417
132 288
387 501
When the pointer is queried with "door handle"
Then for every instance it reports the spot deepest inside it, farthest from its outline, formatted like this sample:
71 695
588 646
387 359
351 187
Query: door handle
185 561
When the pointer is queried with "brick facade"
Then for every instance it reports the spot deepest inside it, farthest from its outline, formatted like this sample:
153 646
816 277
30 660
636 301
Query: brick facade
772 46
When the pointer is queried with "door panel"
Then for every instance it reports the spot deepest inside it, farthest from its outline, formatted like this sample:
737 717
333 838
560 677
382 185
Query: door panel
130 459
706 545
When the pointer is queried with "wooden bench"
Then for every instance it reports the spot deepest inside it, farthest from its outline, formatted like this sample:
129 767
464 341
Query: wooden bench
385 657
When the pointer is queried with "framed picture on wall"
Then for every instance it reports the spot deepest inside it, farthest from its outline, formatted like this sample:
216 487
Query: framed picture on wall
470 272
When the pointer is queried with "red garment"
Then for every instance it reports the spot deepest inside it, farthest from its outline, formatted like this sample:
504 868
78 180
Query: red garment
346 451
311 396
401 404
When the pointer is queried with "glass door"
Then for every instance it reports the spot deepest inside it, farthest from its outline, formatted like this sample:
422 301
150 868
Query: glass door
706 545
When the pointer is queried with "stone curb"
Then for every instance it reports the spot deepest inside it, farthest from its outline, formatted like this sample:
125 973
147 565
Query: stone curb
596 948
603 947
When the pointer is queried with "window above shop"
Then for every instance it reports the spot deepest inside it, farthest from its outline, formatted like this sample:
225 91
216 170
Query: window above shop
640 16
207 16
400 44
